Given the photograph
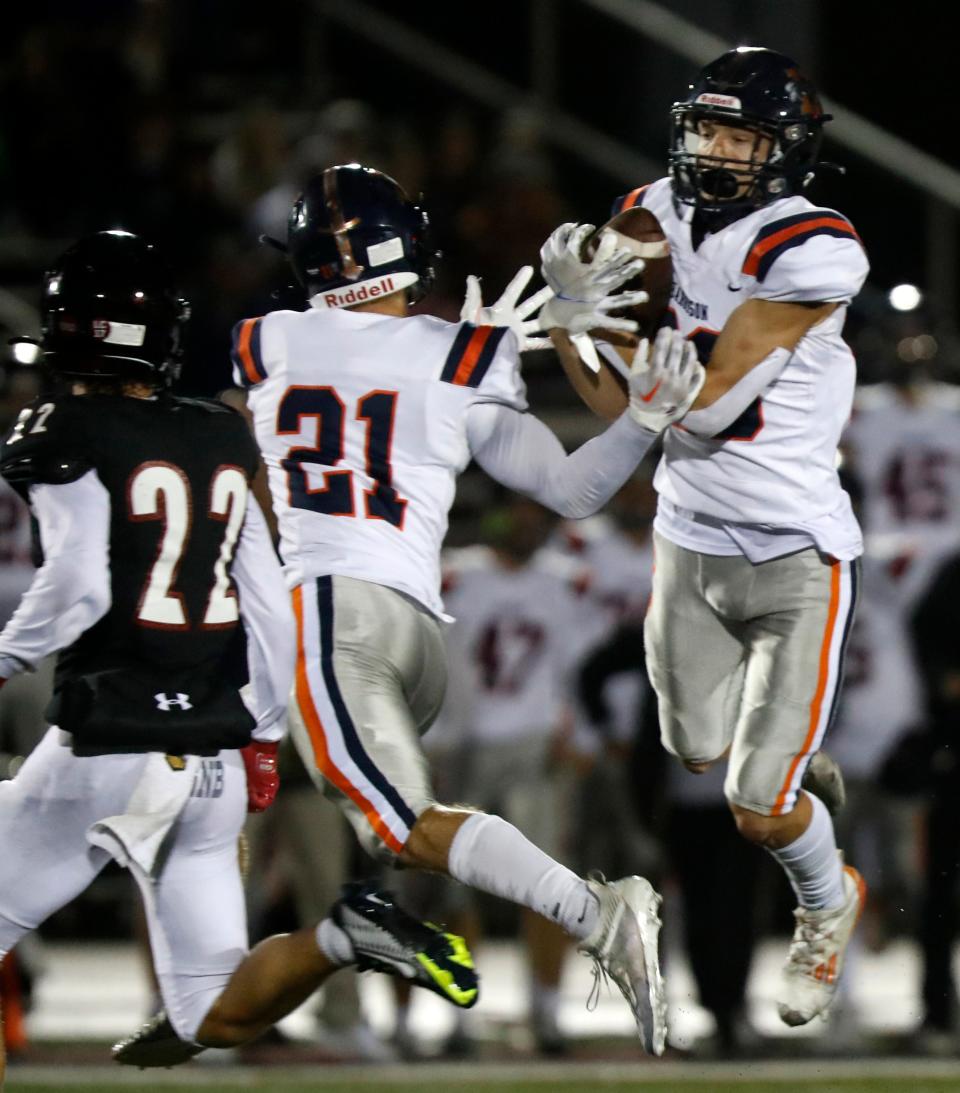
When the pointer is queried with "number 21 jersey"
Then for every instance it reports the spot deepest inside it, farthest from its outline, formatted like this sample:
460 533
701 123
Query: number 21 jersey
361 421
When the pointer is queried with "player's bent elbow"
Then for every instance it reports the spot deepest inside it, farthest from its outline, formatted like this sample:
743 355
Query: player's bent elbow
572 508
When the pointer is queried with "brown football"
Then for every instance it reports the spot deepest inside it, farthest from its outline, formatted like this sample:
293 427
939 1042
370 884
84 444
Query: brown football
605 392
639 231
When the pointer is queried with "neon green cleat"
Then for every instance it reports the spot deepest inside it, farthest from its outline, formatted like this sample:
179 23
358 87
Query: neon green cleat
386 939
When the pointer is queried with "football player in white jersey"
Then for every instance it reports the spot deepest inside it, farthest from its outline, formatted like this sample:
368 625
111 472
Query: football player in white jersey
756 543
365 415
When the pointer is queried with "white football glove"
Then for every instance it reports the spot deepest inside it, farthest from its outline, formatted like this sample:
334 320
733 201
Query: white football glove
584 297
573 279
506 311
664 380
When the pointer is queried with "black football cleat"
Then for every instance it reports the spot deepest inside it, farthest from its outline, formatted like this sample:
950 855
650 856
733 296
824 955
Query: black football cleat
386 939
154 1044
824 779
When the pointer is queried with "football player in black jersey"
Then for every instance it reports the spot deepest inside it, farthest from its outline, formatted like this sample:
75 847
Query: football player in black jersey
152 555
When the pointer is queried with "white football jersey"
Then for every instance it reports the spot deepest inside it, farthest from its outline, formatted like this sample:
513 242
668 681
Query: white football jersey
905 452
361 420
775 466
615 582
513 632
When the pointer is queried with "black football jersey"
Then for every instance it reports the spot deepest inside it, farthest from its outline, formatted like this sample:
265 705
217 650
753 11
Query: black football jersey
178 473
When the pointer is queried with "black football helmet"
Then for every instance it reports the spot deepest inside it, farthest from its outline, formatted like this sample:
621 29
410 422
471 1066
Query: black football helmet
109 309
756 89
353 235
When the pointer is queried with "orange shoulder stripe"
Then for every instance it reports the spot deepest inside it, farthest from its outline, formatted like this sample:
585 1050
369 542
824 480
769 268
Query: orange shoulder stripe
752 263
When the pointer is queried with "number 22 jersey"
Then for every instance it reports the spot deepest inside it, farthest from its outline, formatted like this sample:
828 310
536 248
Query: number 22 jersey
361 421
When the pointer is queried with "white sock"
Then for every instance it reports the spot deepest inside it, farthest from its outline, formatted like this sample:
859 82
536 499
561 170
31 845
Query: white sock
334 943
490 854
812 863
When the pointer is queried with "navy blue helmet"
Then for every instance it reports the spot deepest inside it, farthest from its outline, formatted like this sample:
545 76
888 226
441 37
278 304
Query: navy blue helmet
109 309
353 235
756 89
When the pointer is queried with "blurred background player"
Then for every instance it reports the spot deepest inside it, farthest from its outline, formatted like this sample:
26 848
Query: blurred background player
903 446
362 455
756 543
516 611
613 556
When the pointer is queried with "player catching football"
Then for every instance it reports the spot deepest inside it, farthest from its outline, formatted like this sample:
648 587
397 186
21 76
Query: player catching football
152 561
365 416
756 542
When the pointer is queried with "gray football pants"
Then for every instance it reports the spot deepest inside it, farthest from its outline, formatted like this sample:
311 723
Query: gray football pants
748 657
371 675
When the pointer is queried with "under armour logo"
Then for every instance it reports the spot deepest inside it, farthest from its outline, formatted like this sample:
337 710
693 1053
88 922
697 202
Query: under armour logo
179 699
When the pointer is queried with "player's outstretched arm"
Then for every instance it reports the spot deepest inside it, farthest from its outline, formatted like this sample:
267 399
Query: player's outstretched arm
71 590
268 622
519 451
271 651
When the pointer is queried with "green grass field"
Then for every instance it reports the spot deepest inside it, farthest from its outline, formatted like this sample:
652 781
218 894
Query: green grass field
876 1085
827 1076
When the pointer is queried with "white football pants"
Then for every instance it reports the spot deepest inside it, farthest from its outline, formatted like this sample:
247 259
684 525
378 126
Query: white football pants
195 910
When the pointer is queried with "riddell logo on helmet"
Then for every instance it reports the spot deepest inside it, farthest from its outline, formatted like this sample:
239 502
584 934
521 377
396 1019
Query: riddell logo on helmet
368 291
350 295
710 98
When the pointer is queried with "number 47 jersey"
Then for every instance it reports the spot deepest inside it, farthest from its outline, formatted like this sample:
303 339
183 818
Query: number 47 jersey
361 419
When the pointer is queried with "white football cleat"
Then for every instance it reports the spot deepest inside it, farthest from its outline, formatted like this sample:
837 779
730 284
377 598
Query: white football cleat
624 946
820 938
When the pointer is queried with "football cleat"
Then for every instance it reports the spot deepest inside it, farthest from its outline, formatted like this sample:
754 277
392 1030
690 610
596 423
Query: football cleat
824 779
624 948
386 939
820 938
154 1044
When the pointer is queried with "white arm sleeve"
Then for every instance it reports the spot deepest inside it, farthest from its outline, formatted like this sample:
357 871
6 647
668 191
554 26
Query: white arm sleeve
519 451
71 590
730 405
269 625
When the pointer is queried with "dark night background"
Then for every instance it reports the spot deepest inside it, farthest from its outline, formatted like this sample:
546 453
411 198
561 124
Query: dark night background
174 117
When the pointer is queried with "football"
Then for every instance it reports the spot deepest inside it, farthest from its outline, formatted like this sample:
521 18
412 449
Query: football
605 391
639 231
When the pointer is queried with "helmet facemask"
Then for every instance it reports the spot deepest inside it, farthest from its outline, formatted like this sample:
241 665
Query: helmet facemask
776 161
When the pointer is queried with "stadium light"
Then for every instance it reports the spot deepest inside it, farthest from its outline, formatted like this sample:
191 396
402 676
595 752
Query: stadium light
905 297
25 352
